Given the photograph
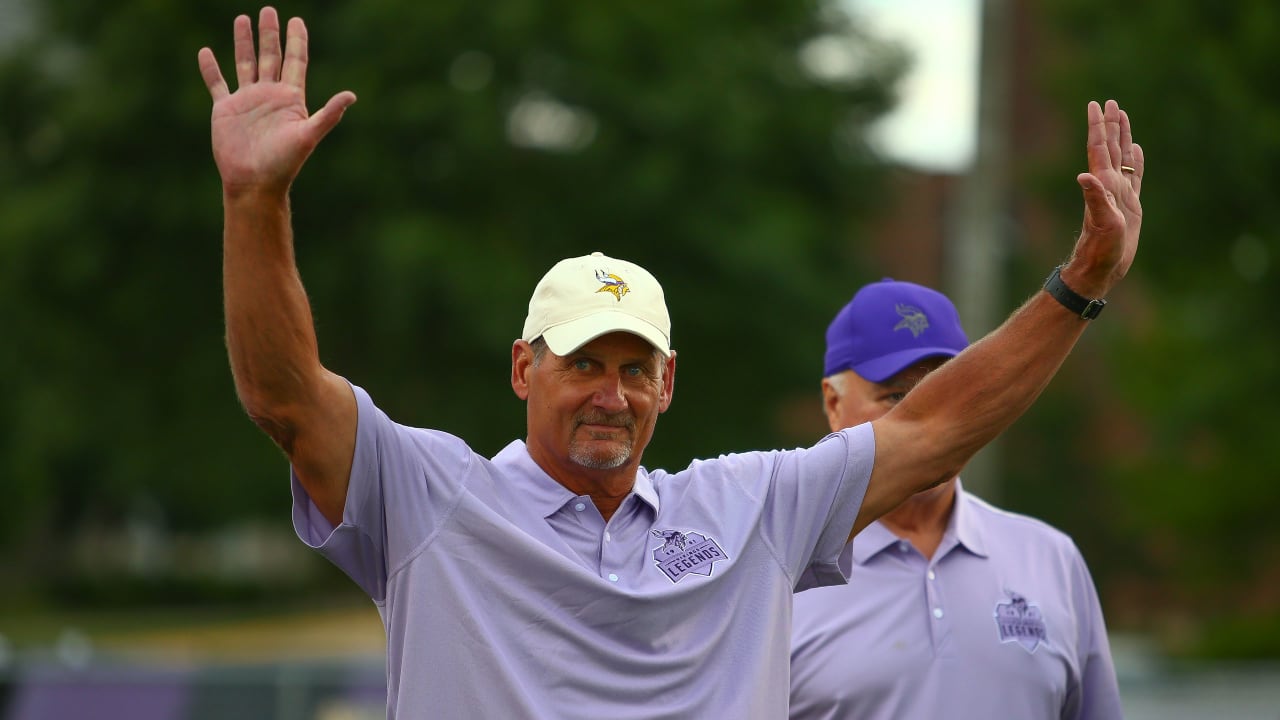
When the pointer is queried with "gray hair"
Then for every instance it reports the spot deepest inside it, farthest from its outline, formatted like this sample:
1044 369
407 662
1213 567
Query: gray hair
539 346
838 381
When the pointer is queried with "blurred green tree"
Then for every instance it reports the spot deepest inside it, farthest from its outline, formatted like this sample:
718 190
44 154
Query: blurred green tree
703 140
1187 452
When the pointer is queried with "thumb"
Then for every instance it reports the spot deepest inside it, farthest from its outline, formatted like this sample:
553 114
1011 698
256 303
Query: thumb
1098 200
327 117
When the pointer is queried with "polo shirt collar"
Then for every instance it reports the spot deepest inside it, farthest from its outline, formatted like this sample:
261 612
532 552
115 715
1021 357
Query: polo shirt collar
874 539
643 489
964 525
963 529
543 493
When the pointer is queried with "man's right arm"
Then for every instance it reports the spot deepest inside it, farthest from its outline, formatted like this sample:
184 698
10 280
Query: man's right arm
928 437
262 134
307 410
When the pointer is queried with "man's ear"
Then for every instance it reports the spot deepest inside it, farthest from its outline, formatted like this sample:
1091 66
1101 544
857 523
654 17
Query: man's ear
831 404
521 364
668 382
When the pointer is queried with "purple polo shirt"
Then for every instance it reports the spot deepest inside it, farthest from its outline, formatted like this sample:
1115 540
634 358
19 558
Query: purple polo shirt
1004 622
504 595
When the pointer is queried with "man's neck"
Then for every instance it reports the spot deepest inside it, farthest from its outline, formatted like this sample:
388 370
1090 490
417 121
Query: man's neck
607 488
923 518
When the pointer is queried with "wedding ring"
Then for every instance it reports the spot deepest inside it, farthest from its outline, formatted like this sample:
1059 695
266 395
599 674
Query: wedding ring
1128 169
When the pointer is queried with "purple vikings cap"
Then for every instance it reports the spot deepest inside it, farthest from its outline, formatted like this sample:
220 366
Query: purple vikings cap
889 326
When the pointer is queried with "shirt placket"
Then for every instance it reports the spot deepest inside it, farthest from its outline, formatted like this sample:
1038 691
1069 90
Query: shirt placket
583 531
936 602
627 530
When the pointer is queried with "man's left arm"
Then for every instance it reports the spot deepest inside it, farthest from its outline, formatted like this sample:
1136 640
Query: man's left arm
928 437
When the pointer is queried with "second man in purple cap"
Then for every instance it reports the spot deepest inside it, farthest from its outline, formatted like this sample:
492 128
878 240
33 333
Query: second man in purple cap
954 608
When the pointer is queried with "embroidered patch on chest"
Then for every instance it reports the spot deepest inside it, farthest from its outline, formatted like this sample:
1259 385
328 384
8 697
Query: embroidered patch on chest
1021 622
685 553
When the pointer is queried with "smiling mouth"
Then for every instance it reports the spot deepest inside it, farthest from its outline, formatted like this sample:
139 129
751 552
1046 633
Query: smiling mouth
602 432
604 427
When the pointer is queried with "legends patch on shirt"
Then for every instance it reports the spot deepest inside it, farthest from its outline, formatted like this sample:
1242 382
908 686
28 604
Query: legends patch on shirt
684 553
1021 622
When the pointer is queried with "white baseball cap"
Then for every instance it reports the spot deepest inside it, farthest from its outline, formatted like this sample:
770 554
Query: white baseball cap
582 298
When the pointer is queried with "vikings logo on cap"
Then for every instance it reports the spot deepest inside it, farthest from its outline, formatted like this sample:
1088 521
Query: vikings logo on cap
866 335
571 304
912 319
612 284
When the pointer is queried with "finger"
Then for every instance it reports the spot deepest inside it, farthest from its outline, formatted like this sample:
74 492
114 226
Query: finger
1126 139
1112 113
327 117
1100 208
268 45
294 71
211 74
246 63
1096 151
1126 149
1139 167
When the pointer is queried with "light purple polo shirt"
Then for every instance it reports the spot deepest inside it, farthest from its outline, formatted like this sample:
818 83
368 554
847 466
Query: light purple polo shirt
1003 623
506 596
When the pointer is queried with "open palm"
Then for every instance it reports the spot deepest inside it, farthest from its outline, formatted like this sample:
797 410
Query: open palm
1112 186
262 133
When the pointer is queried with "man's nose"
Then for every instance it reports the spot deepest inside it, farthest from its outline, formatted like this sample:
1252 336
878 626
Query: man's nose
609 394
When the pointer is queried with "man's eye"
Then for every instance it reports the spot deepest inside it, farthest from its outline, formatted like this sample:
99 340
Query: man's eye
895 398
581 364
635 371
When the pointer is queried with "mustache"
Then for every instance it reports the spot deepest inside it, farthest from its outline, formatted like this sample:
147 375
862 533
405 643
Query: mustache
620 420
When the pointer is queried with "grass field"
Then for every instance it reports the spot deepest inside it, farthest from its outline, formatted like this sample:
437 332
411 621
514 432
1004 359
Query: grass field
200 635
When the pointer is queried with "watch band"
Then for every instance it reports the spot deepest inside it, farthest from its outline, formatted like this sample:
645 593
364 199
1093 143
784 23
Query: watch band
1086 308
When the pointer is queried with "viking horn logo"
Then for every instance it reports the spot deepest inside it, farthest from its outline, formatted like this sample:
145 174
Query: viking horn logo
612 284
912 319
686 553
672 540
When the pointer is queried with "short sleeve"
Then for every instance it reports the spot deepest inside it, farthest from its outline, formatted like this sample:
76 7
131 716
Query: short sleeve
404 482
1099 693
814 502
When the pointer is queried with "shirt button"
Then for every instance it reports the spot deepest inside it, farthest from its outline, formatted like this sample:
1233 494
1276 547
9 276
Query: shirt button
902 547
613 577
608 537
937 612
931 575
580 507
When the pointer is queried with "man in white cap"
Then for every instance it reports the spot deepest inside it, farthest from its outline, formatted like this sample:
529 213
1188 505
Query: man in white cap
954 608
559 579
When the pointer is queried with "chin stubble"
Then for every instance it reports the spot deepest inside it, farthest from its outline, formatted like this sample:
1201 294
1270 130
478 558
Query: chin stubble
605 460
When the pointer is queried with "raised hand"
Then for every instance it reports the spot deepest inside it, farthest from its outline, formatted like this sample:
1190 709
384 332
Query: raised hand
262 133
1112 210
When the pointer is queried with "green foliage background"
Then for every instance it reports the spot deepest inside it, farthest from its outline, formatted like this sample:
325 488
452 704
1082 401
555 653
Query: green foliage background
1172 484
745 185
716 162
